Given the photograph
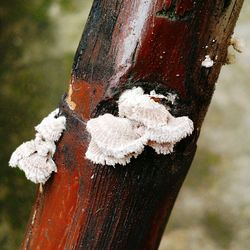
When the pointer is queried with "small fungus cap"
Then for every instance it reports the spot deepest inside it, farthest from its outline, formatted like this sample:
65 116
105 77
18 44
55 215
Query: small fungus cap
37 168
51 127
115 136
142 108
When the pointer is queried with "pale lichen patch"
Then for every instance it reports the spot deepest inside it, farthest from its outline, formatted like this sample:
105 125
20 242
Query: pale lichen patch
207 62
71 103
34 215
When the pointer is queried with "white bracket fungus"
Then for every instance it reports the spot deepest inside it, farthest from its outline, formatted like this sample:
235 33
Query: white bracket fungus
34 157
238 44
207 62
114 139
142 121
231 58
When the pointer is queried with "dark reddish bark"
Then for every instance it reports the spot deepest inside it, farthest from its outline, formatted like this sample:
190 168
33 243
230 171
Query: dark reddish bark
154 44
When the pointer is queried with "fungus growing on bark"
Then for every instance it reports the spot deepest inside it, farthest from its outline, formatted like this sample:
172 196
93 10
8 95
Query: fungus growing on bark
231 58
114 139
237 44
34 157
162 148
96 155
142 121
24 150
51 128
173 131
207 62
135 105
37 168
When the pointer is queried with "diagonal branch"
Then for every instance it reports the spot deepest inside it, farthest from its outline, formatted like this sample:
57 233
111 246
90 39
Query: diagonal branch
157 45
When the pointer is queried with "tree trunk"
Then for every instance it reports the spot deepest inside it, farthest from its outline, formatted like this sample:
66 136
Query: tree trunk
156 44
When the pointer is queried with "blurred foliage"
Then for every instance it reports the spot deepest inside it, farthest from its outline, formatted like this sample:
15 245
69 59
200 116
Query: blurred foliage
219 229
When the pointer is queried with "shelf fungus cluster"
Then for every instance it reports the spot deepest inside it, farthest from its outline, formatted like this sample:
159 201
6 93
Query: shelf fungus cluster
35 157
142 121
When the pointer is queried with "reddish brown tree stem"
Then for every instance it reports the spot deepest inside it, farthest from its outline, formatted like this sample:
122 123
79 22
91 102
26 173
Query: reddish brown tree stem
158 45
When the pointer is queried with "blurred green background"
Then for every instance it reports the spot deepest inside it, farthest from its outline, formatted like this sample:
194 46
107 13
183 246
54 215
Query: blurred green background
38 40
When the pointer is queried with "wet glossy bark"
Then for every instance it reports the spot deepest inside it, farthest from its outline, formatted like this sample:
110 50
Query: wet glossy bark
154 44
